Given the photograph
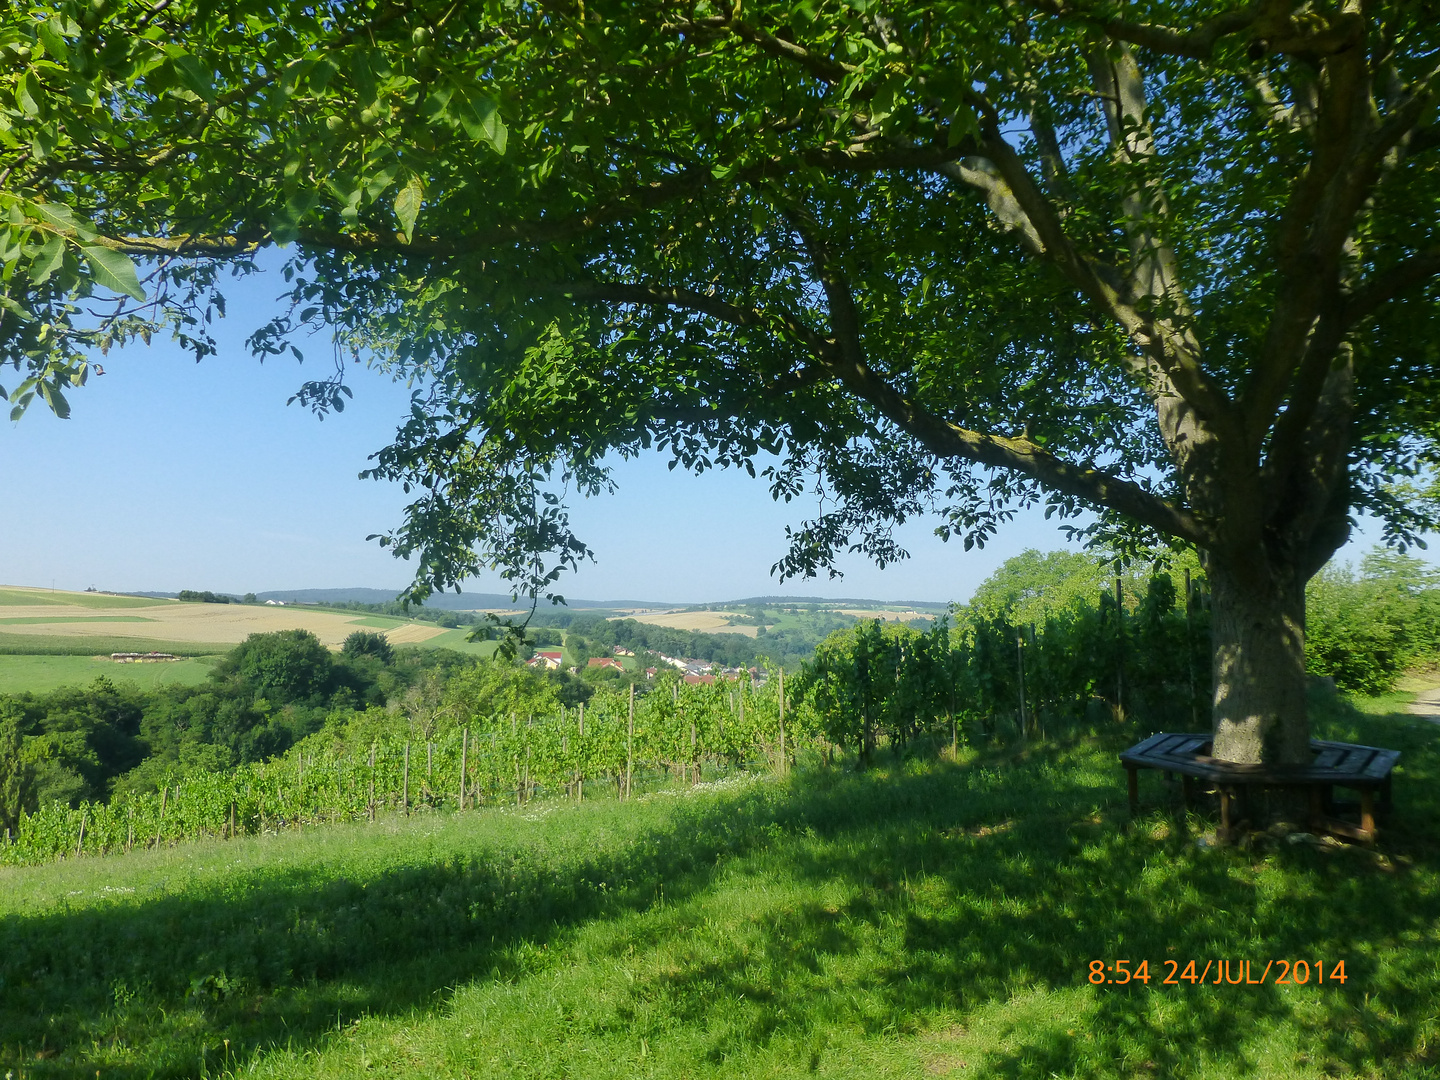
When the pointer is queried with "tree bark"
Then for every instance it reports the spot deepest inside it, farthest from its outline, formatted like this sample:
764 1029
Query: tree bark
1257 632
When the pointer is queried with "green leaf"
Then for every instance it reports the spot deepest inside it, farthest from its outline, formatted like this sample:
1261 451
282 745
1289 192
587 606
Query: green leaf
59 216
50 259
480 117
56 400
54 43
407 205
15 309
193 74
24 98
113 270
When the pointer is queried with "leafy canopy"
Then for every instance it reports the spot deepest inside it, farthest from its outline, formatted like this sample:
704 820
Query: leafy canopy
1173 259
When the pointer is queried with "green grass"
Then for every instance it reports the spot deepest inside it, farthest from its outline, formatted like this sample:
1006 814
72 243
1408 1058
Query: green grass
87 645
74 619
25 598
39 674
927 919
381 622
455 639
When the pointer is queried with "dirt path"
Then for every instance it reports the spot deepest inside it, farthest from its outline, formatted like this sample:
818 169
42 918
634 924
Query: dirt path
1427 705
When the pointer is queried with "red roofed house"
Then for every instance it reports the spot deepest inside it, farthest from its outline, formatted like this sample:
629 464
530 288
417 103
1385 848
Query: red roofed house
606 661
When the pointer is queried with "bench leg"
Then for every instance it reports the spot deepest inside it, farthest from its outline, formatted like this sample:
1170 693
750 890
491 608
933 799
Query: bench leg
1317 805
1187 791
1224 813
1367 812
1132 785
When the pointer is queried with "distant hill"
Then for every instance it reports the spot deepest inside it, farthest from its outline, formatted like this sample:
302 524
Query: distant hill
443 601
786 601
468 601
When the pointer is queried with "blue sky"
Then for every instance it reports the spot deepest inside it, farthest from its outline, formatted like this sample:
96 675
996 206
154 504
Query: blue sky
174 475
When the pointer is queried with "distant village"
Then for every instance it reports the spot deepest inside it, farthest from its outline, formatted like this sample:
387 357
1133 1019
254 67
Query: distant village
692 671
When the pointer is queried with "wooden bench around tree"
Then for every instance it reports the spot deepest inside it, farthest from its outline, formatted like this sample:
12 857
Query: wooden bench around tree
1365 769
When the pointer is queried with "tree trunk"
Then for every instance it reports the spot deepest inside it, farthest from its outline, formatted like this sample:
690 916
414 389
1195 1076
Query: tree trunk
1257 632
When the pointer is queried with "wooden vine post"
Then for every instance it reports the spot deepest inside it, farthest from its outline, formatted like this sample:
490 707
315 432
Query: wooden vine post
1119 645
784 762
1020 667
372 781
160 825
405 782
580 782
629 742
464 746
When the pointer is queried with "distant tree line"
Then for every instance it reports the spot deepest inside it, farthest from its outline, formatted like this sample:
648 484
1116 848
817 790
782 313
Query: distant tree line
393 608
207 597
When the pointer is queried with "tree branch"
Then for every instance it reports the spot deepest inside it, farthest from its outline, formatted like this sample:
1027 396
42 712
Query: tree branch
789 325
1351 143
949 440
1197 44
1175 358
1390 283
946 439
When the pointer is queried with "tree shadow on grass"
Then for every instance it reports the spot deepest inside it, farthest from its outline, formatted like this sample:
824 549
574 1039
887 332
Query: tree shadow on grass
1002 918
1005 879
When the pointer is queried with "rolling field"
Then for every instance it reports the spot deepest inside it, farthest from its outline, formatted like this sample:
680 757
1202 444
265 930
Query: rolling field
708 622
885 614
86 617
15 596
808 618
926 919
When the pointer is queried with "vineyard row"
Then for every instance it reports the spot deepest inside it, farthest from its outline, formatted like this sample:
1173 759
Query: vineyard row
495 760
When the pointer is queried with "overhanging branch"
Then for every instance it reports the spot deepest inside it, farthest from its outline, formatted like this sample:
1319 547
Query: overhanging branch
1388 284
1196 44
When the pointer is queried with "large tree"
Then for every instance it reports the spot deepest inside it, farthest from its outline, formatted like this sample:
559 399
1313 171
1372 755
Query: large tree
1175 261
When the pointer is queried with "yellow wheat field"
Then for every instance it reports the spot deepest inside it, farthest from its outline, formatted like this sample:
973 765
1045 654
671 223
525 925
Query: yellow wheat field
41 612
709 622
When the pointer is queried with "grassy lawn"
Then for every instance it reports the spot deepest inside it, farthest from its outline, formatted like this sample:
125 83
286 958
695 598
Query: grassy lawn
927 919
39 674
455 639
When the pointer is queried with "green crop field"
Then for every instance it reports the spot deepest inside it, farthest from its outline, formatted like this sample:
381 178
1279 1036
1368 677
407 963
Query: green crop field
87 619
39 674
66 645
926 919
380 622
12 597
